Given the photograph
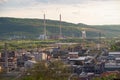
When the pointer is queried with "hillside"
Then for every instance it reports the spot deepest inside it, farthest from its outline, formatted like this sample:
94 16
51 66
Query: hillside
32 28
108 30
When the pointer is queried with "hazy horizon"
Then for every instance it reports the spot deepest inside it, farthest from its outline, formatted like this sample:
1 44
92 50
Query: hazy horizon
62 21
91 12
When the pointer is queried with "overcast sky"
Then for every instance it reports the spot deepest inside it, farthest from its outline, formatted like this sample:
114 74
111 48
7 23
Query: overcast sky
90 12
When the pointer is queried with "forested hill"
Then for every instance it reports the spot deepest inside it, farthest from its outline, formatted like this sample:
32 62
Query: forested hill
32 28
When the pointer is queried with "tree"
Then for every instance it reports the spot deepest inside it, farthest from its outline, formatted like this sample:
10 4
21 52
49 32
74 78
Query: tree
54 70
110 76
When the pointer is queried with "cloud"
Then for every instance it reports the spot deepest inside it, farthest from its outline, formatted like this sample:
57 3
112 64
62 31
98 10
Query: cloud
71 1
84 11
62 1
3 1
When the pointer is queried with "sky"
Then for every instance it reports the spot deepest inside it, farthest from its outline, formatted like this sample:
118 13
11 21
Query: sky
91 12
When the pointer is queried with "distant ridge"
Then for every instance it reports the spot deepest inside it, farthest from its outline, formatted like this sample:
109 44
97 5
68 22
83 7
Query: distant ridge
32 28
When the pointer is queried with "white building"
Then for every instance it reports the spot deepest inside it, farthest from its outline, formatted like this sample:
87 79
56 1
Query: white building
42 37
115 54
40 56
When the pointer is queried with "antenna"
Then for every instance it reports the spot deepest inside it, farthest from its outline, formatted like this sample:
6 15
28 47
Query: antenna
60 27
44 27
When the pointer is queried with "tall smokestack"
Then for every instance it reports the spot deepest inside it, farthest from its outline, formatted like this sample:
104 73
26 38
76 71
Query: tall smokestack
83 34
44 27
60 27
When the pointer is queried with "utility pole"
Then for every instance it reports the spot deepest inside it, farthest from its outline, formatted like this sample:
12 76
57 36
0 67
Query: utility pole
6 58
44 27
99 41
83 38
